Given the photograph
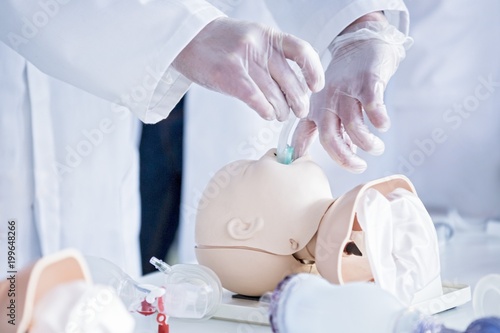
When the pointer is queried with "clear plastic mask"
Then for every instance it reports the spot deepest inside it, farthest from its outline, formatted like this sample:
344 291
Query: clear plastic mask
189 291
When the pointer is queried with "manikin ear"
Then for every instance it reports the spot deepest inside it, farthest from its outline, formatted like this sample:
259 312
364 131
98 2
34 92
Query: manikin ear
243 230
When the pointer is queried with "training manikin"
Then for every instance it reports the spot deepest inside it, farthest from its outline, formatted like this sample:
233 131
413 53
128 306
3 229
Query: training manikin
56 294
259 221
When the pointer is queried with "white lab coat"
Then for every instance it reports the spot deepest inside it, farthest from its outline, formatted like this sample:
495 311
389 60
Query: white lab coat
220 129
68 159
444 102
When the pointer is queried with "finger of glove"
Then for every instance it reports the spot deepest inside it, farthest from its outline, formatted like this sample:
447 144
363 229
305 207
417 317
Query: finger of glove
351 116
383 64
271 90
372 99
303 136
336 143
292 87
249 92
307 59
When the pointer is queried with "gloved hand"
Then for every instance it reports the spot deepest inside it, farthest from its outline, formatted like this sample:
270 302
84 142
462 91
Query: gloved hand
364 58
249 61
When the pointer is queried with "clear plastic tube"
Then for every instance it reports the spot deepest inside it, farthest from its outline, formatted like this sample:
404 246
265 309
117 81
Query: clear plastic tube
160 265
284 150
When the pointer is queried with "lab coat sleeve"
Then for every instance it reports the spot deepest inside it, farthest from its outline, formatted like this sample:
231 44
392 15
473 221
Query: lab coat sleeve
120 50
320 21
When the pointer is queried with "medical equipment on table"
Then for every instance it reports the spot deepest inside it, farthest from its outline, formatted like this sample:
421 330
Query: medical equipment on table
191 291
486 300
308 303
188 291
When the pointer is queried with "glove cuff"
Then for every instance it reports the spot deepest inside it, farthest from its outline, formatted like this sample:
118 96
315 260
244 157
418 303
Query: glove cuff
380 30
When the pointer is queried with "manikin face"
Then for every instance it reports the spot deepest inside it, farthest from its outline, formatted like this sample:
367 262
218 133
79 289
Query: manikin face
254 215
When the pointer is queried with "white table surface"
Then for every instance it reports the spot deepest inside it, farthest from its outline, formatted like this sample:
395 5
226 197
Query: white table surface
465 258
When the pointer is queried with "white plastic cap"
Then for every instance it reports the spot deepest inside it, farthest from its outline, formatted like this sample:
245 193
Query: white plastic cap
486 296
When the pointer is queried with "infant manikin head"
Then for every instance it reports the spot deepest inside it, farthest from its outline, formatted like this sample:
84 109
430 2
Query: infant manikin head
255 216
260 220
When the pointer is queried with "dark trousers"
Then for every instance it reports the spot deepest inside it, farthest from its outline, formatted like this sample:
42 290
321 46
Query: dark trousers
160 184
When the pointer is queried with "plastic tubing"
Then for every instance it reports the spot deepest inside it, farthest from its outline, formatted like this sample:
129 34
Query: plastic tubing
284 150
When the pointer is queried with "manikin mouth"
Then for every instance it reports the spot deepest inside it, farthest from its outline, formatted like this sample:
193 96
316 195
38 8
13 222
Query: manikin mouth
352 249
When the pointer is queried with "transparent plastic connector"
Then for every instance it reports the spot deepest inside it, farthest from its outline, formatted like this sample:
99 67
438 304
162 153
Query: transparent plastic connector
191 291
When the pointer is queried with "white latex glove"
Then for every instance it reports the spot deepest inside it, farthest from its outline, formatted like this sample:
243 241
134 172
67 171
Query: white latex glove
249 61
364 58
